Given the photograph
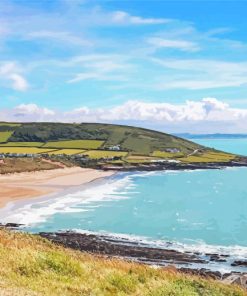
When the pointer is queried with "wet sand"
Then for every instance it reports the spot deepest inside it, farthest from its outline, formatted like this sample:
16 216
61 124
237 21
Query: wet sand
21 186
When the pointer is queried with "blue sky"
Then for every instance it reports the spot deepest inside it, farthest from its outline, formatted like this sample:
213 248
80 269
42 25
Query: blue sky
172 65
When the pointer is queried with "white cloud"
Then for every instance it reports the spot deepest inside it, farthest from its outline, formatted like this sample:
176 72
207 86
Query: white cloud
100 67
10 75
124 18
57 36
32 109
206 115
183 45
195 74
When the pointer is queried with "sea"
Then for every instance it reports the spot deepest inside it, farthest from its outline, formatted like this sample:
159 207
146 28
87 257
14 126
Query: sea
200 210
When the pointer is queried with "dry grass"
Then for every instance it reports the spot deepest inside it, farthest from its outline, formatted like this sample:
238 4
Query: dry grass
32 266
18 165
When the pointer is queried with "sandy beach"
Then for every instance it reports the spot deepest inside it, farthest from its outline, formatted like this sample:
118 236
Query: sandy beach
34 184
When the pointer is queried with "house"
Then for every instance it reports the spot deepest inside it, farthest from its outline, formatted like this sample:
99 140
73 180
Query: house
115 148
172 150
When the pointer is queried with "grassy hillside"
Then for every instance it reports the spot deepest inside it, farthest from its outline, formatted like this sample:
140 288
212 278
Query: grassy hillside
96 140
130 138
32 266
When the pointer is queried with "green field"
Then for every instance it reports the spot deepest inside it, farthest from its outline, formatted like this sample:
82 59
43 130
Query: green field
132 139
92 136
163 154
96 154
24 150
4 136
68 152
209 157
9 124
75 144
22 144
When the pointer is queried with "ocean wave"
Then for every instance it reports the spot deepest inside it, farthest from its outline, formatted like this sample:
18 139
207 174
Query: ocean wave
36 211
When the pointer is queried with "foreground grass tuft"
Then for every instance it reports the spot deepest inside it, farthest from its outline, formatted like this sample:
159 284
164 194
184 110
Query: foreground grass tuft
31 265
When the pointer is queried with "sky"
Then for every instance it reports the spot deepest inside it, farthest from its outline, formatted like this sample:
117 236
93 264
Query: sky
175 66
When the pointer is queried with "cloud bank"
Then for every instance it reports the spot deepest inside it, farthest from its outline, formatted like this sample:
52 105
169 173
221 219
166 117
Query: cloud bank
205 116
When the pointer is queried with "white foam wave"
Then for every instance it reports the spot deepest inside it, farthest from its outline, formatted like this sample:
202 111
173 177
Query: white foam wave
33 212
234 252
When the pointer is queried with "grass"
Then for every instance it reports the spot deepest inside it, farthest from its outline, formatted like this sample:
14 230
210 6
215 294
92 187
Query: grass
75 144
96 154
209 157
67 151
133 139
164 154
139 159
24 150
22 144
10 124
4 136
18 165
32 266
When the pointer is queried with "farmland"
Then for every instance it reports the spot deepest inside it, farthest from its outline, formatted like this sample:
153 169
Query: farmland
75 144
22 144
4 136
24 150
163 154
66 151
96 154
104 142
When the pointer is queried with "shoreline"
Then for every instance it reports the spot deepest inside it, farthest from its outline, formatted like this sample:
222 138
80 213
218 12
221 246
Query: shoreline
30 185
71 179
210 264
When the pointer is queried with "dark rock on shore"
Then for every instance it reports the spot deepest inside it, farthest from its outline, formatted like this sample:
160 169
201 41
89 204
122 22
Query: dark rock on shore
239 263
10 225
109 246
216 275
241 162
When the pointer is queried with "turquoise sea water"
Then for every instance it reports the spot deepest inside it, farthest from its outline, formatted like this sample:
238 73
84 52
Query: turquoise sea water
238 146
204 207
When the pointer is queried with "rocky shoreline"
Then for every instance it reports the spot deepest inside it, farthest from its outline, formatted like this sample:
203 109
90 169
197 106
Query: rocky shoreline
140 252
242 162
192 263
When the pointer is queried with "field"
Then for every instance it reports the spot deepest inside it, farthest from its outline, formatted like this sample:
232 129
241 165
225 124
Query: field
67 151
139 159
22 144
209 157
32 266
75 144
163 154
98 138
24 150
96 154
4 136
9 124
132 139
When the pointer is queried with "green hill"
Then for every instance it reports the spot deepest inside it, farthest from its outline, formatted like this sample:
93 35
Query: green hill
103 141
133 139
